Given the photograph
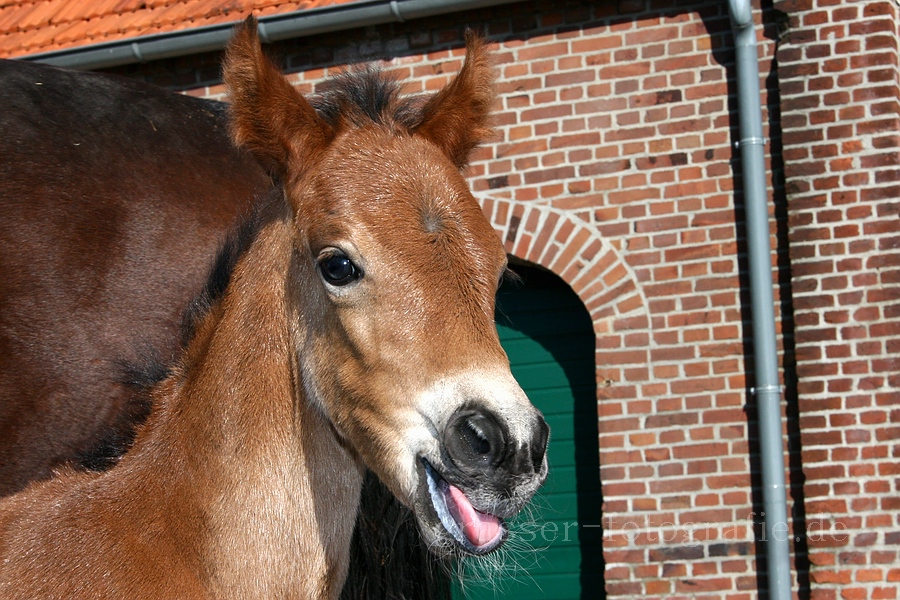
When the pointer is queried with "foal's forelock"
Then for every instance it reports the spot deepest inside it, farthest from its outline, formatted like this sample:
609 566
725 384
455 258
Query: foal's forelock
367 96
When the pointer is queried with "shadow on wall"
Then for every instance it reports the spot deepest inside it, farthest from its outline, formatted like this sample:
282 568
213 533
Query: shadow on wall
544 309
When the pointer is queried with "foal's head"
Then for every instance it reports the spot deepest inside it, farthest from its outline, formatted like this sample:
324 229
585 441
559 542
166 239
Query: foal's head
394 274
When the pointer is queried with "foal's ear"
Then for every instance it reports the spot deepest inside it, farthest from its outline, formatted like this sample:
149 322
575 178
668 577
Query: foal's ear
457 118
268 116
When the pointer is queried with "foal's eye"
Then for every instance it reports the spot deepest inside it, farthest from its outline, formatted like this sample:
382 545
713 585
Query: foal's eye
338 270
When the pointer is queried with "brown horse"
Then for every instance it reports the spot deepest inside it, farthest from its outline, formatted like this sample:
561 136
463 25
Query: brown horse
353 326
106 236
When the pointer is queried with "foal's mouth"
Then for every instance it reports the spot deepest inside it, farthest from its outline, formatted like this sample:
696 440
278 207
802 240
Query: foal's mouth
477 532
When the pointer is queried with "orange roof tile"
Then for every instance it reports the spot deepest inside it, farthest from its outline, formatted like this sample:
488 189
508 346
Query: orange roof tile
34 26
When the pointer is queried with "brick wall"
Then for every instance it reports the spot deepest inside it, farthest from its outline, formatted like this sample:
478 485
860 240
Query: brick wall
614 167
841 121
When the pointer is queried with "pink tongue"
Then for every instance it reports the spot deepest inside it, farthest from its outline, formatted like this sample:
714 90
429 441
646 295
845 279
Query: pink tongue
479 528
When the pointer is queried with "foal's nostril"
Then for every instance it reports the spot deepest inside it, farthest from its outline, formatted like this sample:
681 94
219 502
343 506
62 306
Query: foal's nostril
539 443
475 439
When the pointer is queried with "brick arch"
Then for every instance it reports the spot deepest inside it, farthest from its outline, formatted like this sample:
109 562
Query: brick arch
596 272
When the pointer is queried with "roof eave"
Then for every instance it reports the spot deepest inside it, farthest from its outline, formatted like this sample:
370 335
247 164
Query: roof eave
272 28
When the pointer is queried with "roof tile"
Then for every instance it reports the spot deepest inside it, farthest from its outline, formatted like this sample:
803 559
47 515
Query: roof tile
74 31
41 14
15 39
129 6
43 36
59 33
91 10
9 16
72 11
15 15
130 20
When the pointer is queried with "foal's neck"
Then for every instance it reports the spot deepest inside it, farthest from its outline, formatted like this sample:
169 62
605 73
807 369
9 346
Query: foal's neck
278 490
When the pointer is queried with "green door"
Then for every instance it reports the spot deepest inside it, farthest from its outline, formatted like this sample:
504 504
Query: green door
554 550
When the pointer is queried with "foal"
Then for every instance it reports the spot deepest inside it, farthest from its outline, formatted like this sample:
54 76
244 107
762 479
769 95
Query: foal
353 327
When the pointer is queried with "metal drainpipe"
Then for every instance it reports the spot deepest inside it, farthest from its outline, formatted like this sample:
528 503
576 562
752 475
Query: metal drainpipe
767 390
338 17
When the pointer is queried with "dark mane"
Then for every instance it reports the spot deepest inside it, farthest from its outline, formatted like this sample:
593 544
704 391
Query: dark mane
238 241
139 377
367 95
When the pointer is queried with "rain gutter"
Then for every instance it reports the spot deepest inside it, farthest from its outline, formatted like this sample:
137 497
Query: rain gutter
767 389
339 17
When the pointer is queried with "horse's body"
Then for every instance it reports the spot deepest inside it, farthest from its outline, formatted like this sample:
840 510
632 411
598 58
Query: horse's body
114 199
351 326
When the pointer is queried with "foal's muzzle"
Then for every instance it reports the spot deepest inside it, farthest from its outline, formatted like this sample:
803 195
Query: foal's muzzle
485 473
480 446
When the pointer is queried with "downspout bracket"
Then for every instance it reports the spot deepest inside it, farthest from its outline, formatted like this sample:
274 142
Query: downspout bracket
750 141
767 389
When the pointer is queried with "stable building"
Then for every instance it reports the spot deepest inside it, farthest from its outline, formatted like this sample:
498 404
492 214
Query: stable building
619 185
